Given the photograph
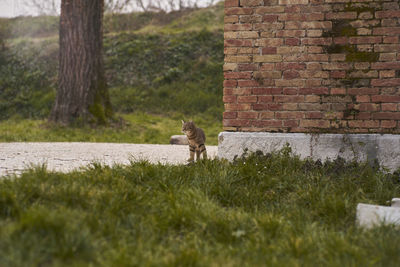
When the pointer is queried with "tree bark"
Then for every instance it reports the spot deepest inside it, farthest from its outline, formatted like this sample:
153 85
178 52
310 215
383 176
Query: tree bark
82 90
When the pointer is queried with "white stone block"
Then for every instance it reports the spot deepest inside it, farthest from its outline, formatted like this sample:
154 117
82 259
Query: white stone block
396 202
178 140
374 215
384 149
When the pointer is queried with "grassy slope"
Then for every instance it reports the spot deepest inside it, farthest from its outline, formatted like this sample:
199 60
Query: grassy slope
270 210
168 65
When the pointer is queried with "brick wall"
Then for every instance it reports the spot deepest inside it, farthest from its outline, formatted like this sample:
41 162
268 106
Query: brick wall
312 66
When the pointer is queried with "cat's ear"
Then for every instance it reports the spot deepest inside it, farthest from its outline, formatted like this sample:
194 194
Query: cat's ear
183 122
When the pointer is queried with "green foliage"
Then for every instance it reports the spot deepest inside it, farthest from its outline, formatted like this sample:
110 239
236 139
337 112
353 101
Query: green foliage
174 69
26 84
264 210
163 73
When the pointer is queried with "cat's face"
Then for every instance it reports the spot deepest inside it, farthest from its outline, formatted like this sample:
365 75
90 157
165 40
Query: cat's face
188 127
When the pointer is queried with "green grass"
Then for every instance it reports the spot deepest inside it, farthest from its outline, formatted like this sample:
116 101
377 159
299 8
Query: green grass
273 210
138 128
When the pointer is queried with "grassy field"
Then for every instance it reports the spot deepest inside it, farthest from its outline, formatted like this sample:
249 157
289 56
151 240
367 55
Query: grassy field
138 127
273 210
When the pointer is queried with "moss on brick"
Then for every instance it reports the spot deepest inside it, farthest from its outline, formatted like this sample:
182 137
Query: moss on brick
361 7
338 49
358 56
340 28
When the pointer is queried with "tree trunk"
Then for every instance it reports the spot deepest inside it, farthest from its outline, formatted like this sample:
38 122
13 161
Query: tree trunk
82 90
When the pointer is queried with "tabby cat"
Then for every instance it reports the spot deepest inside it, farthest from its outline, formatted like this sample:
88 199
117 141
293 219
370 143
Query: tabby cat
196 139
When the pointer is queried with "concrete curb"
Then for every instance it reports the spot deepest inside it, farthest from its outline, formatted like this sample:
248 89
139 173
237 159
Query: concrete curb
361 147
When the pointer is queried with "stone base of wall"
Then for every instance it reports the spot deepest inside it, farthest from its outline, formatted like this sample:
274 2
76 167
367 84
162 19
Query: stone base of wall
361 147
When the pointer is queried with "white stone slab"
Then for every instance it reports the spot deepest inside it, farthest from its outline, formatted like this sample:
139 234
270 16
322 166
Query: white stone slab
361 147
373 215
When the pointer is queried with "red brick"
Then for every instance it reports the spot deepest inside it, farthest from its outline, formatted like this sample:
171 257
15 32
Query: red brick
230 115
229 99
247 3
290 106
268 50
391 39
247 67
265 99
231 3
292 41
338 91
289 115
241 91
247 115
363 98
238 27
289 98
267 66
270 18
290 74
237 75
248 83
231 19
264 123
337 74
275 106
388 124
290 123
238 11
387 14
267 91
386 65
228 91
363 116
314 115
247 99
326 25
292 9
387 31
236 42
316 106
386 48
312 98
389 107
290 66
267 115
363 91
237 107
315 91
316 41
386 116
290 91
341 15
368 107
290 33
385 98
233 122
363 124
365 40
260 106
315 123
385 82
230 83
341 40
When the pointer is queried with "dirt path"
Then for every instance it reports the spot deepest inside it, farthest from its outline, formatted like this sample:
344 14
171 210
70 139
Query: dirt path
15 157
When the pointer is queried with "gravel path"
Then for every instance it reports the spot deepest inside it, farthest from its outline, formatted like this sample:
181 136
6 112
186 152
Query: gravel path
15 157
